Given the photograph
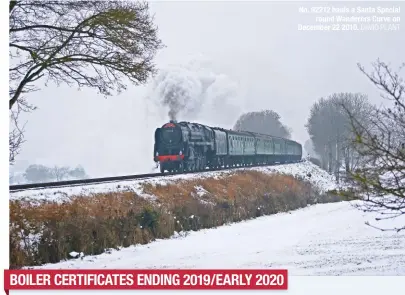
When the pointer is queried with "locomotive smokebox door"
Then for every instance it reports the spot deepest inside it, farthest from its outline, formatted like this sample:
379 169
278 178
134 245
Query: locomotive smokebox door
169 147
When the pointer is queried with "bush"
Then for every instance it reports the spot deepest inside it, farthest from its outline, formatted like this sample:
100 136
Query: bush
46 233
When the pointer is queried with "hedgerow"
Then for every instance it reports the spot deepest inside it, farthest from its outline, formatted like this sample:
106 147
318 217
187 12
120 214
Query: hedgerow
48 232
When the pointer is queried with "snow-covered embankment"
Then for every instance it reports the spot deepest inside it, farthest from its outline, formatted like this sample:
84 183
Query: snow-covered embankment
305 170
95 217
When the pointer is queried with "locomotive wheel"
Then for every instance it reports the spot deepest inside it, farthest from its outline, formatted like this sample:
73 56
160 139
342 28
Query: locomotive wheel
162 169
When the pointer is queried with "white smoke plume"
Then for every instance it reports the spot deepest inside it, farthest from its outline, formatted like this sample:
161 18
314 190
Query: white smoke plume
194 91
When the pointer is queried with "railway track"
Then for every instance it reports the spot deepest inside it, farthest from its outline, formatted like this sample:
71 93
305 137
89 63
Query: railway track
57 184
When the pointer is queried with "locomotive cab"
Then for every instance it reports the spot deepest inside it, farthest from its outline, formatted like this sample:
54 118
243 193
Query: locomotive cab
169 148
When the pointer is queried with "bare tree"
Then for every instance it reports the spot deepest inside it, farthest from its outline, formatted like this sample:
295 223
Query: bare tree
330 132
15 138
265 122
96 44
380 184
16 133
362 109
59 173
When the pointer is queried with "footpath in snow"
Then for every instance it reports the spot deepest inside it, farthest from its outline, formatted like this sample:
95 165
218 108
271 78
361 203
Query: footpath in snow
318 177
325 239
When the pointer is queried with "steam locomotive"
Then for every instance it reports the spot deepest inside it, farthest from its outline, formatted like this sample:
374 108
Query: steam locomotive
185 146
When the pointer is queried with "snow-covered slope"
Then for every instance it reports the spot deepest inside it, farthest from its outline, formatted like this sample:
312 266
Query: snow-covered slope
325 239
307 170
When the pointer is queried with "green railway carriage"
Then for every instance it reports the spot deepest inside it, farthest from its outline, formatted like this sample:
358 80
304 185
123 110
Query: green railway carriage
241 148
293 151
269 149
265 145
185 146
246 148
241 144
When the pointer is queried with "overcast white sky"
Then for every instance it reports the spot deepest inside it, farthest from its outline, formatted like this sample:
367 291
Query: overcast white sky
254 52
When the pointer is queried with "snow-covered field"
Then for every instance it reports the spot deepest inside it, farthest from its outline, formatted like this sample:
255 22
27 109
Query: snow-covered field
324 239
318 177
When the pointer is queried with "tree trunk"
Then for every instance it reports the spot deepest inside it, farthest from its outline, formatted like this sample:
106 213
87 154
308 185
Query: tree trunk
330 158
337 163
324 159
347 159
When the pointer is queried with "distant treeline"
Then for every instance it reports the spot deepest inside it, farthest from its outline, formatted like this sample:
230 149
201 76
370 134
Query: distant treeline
41 173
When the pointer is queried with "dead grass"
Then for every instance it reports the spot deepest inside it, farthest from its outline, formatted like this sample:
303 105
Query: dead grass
48 232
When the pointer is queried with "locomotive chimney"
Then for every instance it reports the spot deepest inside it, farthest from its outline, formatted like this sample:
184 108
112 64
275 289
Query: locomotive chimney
173 121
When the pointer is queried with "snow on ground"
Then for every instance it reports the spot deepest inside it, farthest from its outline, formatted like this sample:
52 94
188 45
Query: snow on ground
319 178
324 239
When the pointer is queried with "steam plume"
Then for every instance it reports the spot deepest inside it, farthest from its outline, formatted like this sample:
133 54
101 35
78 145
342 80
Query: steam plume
193 90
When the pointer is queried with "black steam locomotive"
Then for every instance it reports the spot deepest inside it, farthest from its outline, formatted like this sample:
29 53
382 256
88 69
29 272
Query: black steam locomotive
185 146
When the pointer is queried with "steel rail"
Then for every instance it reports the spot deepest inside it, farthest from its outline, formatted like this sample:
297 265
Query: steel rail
42 185
56 184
